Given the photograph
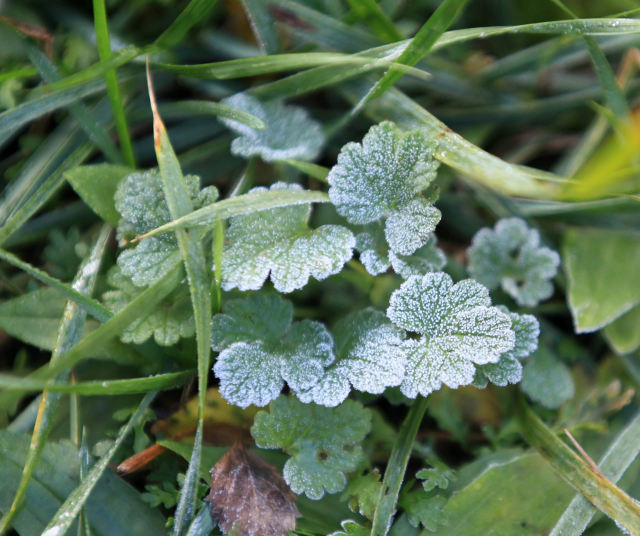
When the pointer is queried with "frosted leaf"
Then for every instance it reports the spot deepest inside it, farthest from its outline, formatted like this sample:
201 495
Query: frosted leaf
289 131
424 509
373 250
509 369
547 380
510 255
171 320
140 201
279 242
459 328
261 350
429 258
369 359
410 227
322 442
351 528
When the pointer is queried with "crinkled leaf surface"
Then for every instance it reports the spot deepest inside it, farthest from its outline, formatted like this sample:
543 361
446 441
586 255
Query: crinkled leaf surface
459 328
509 369
510 255
170 321
369 359
140 201
289 132
279 242
322 442
373 248
262 350
429 258
547 380
382 178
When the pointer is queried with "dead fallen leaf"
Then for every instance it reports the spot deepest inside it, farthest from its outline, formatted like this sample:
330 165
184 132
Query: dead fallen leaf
249 496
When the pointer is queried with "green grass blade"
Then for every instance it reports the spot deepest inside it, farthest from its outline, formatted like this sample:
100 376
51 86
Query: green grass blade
195 12
396 467
91 306
201 107
68 334
622 451
313 170
111 81
198 276
596 488
70 509
377 19
129 386
16 74
217 245
262 25
242 204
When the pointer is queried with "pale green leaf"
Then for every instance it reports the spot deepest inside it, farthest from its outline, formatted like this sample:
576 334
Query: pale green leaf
510 255
322 442
424 509
362 492
428 258
459 328
547 380
623 334
351 528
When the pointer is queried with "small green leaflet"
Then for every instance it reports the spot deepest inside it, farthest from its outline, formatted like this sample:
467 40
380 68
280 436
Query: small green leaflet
279 242
260 349
510 255
362 492
323 442
382 178
459 328
424 509
547 380
351 528
289 132
509 369
140 201
168 323
369 358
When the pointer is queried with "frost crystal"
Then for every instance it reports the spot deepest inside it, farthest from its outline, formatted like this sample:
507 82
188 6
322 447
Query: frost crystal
170 321
373 250
510 255
140 201
289 131
279 242
429 258
383 178
369 358
260 350
322 442
509 369
459 328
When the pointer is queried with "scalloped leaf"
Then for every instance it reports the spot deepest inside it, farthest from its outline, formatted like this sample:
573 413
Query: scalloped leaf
170 321
429 258
459 328
280 244
374 251
289 132
261 350
140 201
510 255
382 178
322 442
369 359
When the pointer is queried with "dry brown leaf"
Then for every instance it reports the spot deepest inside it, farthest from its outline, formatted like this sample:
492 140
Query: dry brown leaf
249 496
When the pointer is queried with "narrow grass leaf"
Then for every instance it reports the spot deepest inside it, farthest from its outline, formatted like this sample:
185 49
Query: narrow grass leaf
377 19
262 25
313 170
69 332
111 82
70 509
201 107
622 451
605 495
194 13
198 276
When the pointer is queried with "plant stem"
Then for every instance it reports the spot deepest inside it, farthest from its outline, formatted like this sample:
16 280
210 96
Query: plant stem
396 468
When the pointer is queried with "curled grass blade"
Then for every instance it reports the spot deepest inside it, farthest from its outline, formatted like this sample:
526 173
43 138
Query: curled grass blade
69 332
70 509
600 491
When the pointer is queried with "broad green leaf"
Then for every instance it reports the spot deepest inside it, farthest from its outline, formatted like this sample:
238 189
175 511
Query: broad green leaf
279 243
289 131
167 324
260 350
509 369
368 359
322 442
601 287
510 255
623 334
114 506
547 380
459 328
382 178
141 201
97 184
